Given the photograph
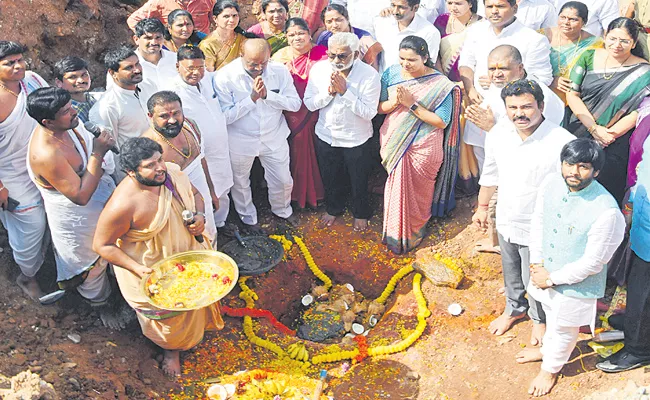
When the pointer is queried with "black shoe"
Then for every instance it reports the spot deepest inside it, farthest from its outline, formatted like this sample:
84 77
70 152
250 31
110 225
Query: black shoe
622 361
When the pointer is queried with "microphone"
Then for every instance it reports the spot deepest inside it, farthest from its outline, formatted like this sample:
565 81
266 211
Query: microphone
188 218
96 131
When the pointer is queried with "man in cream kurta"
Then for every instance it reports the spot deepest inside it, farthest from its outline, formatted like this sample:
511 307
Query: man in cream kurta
132 235
201 104
575 229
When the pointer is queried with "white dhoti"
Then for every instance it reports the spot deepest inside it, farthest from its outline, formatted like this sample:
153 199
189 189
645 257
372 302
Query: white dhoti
196 175
73 226
564 317
221 215
26 226
277 176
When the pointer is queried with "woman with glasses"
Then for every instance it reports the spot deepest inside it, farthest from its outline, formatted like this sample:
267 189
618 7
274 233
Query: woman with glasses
607 87
336 19
419 144
568 41
224 43
275 14
299 57
180 31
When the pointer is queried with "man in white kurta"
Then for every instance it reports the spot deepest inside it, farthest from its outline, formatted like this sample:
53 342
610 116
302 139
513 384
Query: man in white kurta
201 104
363 12
501 27
253 93
575 229
26 224
534 14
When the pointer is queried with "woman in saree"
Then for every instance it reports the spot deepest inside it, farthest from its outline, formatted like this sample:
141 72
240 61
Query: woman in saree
568 42
419 144
275 13
299 57
336 19
607 87
180 31
224 43
453 29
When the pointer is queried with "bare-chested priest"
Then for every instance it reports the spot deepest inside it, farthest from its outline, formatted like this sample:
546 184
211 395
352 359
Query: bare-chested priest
182 145
142 224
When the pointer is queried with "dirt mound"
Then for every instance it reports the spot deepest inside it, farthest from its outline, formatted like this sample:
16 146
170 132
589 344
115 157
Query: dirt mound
27 386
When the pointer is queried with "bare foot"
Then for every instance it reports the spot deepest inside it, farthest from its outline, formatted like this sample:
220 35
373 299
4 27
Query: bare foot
542 384
486 246
503 323
111 318
327 219
29 286
360 224
171 364
537 334
529 355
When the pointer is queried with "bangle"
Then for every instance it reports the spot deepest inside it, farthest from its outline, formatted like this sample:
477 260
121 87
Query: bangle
627 206
593 128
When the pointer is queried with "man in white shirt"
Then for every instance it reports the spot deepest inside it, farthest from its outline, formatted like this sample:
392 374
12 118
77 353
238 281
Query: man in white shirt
253 93
601 13
363 12
201 104
405 22
501 27
158 65
345 92
576 228
518 156
536 14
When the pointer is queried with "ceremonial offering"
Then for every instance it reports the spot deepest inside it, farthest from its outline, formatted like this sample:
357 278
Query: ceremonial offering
190 280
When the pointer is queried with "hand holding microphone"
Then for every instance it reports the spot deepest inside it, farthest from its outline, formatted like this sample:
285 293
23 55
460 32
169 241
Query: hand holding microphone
97 132
195 227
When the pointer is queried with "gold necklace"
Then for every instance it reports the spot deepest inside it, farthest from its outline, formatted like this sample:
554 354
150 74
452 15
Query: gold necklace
174 147
9 90
295 70
565 69
605 76
453 23
61 141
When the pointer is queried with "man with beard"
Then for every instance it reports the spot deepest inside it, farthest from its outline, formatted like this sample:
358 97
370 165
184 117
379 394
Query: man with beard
518 156
71 74
575 229
253 93
133 235
72 171
25 220
505 65
405 21
200 104
186 150
345 91
501 27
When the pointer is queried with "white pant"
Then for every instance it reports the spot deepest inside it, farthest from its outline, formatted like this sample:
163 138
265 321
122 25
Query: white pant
221 215
479 153
558 344
278 178
26 230
96 287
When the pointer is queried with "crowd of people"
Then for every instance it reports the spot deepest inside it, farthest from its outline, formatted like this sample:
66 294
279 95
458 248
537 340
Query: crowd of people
539 107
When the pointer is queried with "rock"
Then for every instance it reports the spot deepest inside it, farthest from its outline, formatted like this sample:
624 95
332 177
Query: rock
69 365
36 369
29 386
75 338
50 377
146 381
412 375
19 359
75 383
442 271
319 326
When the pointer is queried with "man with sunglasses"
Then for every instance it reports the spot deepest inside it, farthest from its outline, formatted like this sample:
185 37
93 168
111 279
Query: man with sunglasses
345 92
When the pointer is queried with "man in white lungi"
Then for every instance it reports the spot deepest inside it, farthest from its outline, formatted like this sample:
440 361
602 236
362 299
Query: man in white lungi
575 229
182 145
25 220
72 171
253 93
201 105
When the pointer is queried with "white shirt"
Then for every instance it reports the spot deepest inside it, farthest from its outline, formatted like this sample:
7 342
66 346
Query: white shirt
251 124
537 14
388 34
344 121
203 107
154 74
363 12
123 112
431 9
553 111
601 13
481 40
518 168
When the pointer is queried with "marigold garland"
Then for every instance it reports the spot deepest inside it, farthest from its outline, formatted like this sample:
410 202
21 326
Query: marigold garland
267 344
327 282
423 313
390 287
334 357
286 243
362 343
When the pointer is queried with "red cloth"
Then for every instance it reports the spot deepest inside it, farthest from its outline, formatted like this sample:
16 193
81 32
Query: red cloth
201 11
311 13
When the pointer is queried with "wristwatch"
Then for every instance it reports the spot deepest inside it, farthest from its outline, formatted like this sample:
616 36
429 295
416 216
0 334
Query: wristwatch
549 282
414 106
201 213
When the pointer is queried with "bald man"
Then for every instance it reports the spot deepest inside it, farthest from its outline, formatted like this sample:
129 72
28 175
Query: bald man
253 93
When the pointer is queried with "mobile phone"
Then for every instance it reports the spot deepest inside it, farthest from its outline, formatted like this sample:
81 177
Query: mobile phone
12 204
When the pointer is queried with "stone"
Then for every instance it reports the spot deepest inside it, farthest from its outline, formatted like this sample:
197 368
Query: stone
75 383
27 385
74 338
50 377
69 365
439 270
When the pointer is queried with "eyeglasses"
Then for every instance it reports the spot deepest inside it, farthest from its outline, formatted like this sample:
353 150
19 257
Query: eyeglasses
193 69
340 57
613 40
